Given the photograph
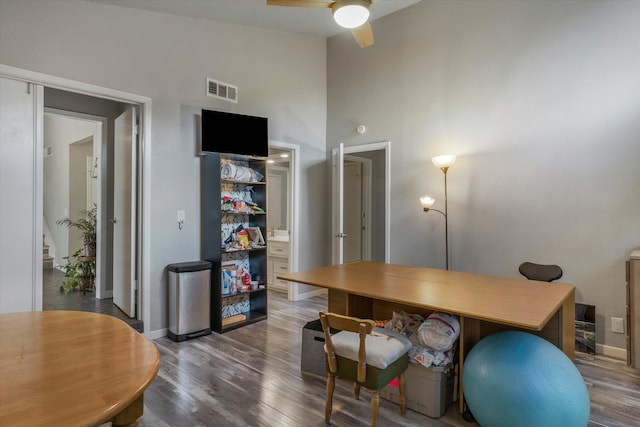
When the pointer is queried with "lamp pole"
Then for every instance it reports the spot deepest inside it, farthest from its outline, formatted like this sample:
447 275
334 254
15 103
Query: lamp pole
443 162
446 218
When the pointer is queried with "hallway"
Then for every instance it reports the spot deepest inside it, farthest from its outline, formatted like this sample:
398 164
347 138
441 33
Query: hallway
53 299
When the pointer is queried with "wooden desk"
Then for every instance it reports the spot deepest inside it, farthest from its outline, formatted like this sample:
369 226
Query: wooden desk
485 304
62 368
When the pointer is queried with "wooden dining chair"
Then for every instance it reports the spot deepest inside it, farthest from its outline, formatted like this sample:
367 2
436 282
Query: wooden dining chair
370 357
540 272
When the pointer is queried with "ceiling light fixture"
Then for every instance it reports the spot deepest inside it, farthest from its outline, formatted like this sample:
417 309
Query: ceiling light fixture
350 13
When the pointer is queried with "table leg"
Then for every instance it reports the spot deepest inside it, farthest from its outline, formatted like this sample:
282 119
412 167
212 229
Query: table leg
130 416
568 326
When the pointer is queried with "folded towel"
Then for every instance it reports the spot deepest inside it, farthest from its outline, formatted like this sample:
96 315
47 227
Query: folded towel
240 173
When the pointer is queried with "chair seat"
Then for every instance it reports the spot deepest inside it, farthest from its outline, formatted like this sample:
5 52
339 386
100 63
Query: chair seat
366 355
383 346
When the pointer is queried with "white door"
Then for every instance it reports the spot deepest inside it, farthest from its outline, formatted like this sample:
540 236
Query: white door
124 212
352 203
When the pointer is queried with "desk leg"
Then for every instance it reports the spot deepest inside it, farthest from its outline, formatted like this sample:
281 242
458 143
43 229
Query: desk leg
130 416
568 326
350 305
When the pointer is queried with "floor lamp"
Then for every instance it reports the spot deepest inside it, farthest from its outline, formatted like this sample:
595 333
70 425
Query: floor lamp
443 162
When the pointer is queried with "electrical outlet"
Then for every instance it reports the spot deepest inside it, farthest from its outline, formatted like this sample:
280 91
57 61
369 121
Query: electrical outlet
617 325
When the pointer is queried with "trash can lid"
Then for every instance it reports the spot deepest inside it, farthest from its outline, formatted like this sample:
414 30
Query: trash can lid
186 267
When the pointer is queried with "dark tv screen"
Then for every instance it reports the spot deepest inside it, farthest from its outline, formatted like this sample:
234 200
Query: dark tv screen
234 133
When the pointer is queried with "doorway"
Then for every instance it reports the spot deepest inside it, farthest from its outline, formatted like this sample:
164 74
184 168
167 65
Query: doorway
284 166
361 202
24 98
357 212
101 169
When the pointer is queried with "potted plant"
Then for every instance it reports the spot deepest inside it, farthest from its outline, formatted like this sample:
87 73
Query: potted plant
87 225
78 273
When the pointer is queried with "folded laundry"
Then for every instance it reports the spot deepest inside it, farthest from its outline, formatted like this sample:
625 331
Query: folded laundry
240 173
440 346
439 331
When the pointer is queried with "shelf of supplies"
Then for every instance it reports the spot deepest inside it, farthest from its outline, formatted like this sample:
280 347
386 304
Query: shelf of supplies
251 317
233 181
244 213
253 291
261 248
223 212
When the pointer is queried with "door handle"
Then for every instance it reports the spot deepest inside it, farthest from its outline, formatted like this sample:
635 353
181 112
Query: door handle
113 221
341 235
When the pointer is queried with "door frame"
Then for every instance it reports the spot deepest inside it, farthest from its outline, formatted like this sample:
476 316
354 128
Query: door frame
337 193
293 208
144 196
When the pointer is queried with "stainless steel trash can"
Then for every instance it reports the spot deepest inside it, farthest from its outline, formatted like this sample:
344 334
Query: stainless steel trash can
189 300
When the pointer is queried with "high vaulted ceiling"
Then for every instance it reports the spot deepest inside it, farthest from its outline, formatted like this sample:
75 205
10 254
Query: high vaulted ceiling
256 13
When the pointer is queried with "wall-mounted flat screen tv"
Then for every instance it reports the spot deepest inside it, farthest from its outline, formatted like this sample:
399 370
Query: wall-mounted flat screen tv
234 133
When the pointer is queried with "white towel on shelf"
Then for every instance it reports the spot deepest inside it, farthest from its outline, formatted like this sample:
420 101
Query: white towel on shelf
240 173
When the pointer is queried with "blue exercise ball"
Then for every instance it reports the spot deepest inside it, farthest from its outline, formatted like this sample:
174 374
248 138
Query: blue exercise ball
518 379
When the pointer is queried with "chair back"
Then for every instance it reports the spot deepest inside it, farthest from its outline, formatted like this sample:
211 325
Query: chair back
541 272
362 327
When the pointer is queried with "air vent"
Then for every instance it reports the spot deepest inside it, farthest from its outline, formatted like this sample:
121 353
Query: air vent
48 151
221 90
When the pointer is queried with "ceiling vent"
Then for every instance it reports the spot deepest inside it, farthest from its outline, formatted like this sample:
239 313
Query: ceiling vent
221 90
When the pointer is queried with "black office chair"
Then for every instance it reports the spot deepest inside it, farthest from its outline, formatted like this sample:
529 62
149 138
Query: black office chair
541 272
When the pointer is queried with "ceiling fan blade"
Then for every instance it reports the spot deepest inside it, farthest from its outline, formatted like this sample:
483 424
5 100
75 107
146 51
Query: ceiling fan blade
300 3
363 35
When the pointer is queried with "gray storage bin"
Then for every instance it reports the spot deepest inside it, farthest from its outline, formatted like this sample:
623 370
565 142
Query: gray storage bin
189 300
428 391
313 359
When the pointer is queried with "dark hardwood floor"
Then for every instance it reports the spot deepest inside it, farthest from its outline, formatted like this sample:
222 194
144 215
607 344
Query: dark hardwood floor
54 299
251 377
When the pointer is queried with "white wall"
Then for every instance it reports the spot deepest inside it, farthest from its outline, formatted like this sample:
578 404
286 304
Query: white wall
540 100
20 170
167 58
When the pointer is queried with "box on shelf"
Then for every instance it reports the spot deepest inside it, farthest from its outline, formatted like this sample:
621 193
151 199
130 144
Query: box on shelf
428 391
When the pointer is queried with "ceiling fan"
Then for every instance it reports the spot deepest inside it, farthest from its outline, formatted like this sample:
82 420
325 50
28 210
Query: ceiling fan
352 14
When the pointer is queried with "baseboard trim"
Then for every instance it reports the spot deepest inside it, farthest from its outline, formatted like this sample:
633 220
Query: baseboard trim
612 352
305 295
158 333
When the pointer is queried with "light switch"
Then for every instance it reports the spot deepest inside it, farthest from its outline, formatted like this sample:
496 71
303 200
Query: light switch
617 325
181 217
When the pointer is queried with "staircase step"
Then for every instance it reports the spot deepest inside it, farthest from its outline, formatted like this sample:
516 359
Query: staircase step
47 262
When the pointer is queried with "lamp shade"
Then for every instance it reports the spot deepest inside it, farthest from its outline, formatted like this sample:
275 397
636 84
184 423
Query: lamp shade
427 202
350 13
444 161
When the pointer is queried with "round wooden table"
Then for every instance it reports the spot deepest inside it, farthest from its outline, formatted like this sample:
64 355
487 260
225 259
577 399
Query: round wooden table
62 368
